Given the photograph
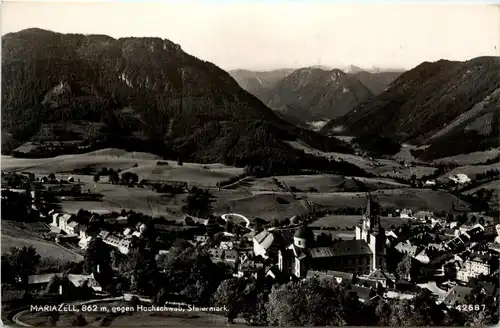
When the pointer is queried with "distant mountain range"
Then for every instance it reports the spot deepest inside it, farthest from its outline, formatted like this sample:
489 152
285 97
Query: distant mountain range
256 82
314 94
451 106
144 94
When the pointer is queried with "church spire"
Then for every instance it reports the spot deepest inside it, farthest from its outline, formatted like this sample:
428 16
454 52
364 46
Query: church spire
373 221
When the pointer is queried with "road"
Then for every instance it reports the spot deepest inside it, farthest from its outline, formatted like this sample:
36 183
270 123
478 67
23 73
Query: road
225 218
126 297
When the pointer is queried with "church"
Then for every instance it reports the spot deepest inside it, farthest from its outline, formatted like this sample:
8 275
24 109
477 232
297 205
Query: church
361 255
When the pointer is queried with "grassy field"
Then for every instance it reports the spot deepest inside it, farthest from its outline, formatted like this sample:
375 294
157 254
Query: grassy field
15 237
416 199
322 183
205 175
253 198
264 206
470 170
379 167
472 158
342 222
118 197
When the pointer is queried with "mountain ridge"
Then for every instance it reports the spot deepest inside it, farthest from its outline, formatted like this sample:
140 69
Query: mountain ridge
424 100
145 93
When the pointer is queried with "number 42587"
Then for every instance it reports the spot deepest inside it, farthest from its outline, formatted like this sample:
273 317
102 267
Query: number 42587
471 307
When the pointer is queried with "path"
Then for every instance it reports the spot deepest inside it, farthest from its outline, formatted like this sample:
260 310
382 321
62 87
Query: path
125 297
229 186
225 218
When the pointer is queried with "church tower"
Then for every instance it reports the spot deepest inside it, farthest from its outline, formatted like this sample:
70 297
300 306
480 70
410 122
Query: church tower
373 233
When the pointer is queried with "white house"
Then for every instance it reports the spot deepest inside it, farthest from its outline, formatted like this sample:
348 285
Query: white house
459 178
406 213
72 228
265 243
474 267
430 183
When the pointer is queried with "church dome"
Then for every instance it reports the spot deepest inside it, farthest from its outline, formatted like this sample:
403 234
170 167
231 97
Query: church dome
304 232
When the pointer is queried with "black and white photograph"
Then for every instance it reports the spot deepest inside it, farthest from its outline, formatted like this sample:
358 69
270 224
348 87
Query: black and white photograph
250 163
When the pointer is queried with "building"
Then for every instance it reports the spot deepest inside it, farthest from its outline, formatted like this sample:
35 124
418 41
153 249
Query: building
121 243
459 178
373 234
40 281
378 278
406 213
267 243
337 276
456 296
359 256
478 264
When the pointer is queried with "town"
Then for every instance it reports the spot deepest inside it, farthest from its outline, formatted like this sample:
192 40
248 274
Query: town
393 259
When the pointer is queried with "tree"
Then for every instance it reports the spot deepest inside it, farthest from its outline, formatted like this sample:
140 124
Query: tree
54 318
79 321
383 313
135 302
421 311
114 177
180 161
23 262
404 267
52 176
97 256
230 295
229 226
190 272
198 203
96 178
305 303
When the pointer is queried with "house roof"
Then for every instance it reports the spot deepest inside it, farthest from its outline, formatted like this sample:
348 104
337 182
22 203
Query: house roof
42 278
351 247
321 252
340 274
76 279
364 293
377 274
304 232
489 288
73 224
267 239
456 295
216 252
231 254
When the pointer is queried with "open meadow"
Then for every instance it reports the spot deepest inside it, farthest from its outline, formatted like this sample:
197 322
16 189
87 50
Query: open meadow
254 197
12 236
379 167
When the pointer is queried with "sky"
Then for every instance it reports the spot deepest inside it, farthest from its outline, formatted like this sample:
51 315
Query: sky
261 35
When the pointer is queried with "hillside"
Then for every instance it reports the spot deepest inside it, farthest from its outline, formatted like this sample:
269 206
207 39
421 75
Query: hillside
328 94
75 93
376 82
257 83
451 106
